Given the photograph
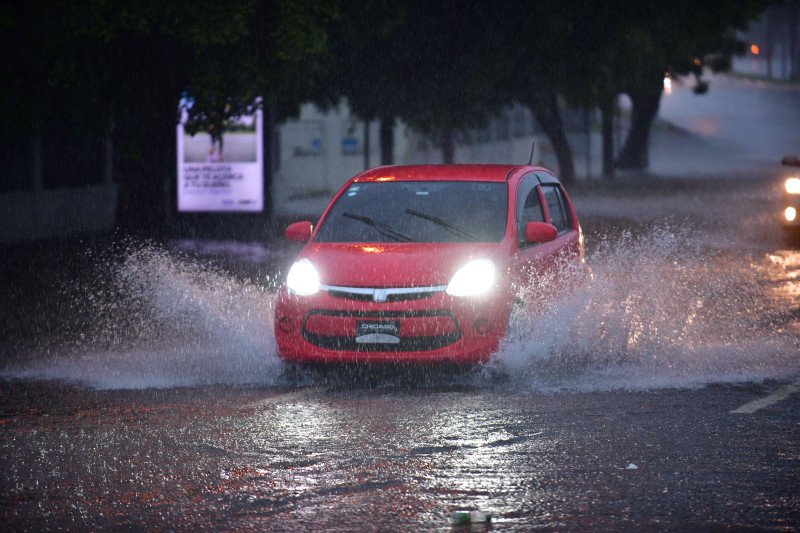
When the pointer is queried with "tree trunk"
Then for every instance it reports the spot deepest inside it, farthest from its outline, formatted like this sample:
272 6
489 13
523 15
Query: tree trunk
270 157
145 136
367 147
607 109
635 150
387 140
546 111
147 168
448 148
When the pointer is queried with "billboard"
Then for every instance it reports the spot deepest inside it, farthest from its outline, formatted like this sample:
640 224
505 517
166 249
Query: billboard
220 163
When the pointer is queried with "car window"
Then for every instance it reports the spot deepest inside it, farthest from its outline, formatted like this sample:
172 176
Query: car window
557 206
418 211
564 208
529 207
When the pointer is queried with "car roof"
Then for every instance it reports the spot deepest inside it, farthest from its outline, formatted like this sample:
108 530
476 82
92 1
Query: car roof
439 173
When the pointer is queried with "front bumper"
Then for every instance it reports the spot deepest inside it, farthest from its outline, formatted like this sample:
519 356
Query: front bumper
435 327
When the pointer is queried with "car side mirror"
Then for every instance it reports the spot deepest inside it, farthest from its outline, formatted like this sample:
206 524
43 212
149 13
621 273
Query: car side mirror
791 161
299 231
538 232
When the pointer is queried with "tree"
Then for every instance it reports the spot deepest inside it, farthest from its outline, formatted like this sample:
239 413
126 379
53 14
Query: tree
362 66
551 49
589 53
104 63
669 37
447 69
432 65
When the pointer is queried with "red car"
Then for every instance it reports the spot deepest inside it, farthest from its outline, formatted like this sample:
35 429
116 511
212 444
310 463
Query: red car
420 263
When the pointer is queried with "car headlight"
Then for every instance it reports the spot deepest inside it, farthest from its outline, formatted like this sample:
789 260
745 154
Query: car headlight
474 278
792 185
303 278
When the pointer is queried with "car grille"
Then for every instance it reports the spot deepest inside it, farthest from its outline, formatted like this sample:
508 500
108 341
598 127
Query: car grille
379 294
389 297
406 344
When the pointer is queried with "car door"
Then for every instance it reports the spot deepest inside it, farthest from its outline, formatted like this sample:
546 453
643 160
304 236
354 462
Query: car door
533 263
559 212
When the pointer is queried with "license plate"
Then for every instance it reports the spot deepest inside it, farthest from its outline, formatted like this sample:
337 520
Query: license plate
386 332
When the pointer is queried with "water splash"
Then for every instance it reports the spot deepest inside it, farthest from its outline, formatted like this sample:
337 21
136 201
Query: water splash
160 319
661 309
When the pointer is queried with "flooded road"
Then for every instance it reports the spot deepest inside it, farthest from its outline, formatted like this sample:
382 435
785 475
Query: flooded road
153 397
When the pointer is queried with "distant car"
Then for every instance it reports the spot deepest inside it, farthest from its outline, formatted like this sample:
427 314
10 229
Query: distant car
419 263
790 202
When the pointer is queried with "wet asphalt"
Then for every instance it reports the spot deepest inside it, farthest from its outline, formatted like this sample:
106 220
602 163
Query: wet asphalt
348 458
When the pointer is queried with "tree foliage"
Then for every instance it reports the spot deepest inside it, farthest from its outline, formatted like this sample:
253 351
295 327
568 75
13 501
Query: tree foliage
676 38
442 67
100 63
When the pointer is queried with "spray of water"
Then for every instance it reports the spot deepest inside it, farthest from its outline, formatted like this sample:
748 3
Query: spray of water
660 309
159 319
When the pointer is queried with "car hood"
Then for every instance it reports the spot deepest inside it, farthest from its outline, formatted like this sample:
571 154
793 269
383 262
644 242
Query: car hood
391 265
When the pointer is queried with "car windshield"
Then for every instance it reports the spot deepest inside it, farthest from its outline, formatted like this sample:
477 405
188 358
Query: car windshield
418 211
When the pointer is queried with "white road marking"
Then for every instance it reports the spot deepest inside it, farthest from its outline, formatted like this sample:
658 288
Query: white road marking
777 396
285 398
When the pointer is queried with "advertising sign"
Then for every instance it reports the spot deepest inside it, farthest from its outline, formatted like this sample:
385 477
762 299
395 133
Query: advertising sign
221 166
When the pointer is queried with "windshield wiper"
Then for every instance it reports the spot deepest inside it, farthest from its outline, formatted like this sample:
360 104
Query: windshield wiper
455 230
385 229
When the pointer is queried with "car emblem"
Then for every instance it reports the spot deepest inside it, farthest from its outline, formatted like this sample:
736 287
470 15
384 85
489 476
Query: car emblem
380 295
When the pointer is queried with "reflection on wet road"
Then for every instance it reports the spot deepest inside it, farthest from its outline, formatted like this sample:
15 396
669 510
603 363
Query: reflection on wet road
398 459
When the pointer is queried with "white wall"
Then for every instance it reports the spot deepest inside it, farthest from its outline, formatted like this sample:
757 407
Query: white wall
312 162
